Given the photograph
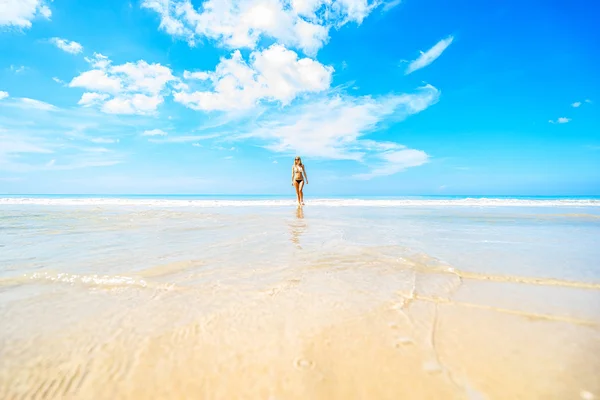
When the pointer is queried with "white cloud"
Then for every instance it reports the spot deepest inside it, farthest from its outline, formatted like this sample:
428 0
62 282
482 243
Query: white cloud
18 70
170 12
303 24
45 11
57 80
561 120
429 56
25 103
132 104
196 75
99 61
67 45
20 13
579 103
36 104
143 77
333 127
154 132
97 80
89 99
274 74
390 4
136 88
394 161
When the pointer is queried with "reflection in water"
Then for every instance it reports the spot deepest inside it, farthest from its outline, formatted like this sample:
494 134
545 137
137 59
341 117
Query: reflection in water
297 227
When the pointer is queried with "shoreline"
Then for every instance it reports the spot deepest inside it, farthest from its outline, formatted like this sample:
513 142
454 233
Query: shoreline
283 202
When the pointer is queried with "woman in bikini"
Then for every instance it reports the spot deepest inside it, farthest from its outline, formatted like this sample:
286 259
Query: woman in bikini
298 177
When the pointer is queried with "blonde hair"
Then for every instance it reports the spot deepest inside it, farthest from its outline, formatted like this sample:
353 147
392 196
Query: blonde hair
298 158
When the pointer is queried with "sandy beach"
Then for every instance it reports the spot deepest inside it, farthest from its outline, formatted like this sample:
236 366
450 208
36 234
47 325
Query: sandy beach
139 302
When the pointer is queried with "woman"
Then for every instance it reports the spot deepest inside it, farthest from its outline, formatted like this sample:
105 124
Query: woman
298 177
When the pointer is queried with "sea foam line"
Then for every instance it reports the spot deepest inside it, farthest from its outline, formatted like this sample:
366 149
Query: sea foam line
466 202
105 281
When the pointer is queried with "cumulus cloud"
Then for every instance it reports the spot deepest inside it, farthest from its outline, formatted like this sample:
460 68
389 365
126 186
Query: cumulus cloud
302 24
334 126
97 80
66 45
429 56
3 95
20 13
133 104
130 88
98 61
274 74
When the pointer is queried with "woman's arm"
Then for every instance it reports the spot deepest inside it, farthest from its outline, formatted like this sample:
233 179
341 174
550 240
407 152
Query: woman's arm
292 175
305 176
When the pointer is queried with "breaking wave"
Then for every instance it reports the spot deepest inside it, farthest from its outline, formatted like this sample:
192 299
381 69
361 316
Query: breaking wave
462 202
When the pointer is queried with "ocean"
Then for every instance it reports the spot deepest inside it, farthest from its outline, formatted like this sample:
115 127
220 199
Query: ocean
253 297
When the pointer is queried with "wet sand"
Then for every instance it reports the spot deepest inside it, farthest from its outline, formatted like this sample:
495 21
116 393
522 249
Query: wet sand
297 340
313 319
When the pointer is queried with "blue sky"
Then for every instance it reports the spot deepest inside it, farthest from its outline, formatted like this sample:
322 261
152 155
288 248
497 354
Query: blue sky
379 98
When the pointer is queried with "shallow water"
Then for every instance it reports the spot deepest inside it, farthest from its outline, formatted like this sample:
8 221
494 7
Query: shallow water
128 299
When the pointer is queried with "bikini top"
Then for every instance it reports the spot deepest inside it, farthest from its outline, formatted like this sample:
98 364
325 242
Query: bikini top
298 169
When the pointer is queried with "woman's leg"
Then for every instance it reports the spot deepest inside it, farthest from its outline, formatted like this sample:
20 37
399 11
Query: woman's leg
297 186
301 197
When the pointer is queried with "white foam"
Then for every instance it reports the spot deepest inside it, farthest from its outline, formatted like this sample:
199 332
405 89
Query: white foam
106 281
466 202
